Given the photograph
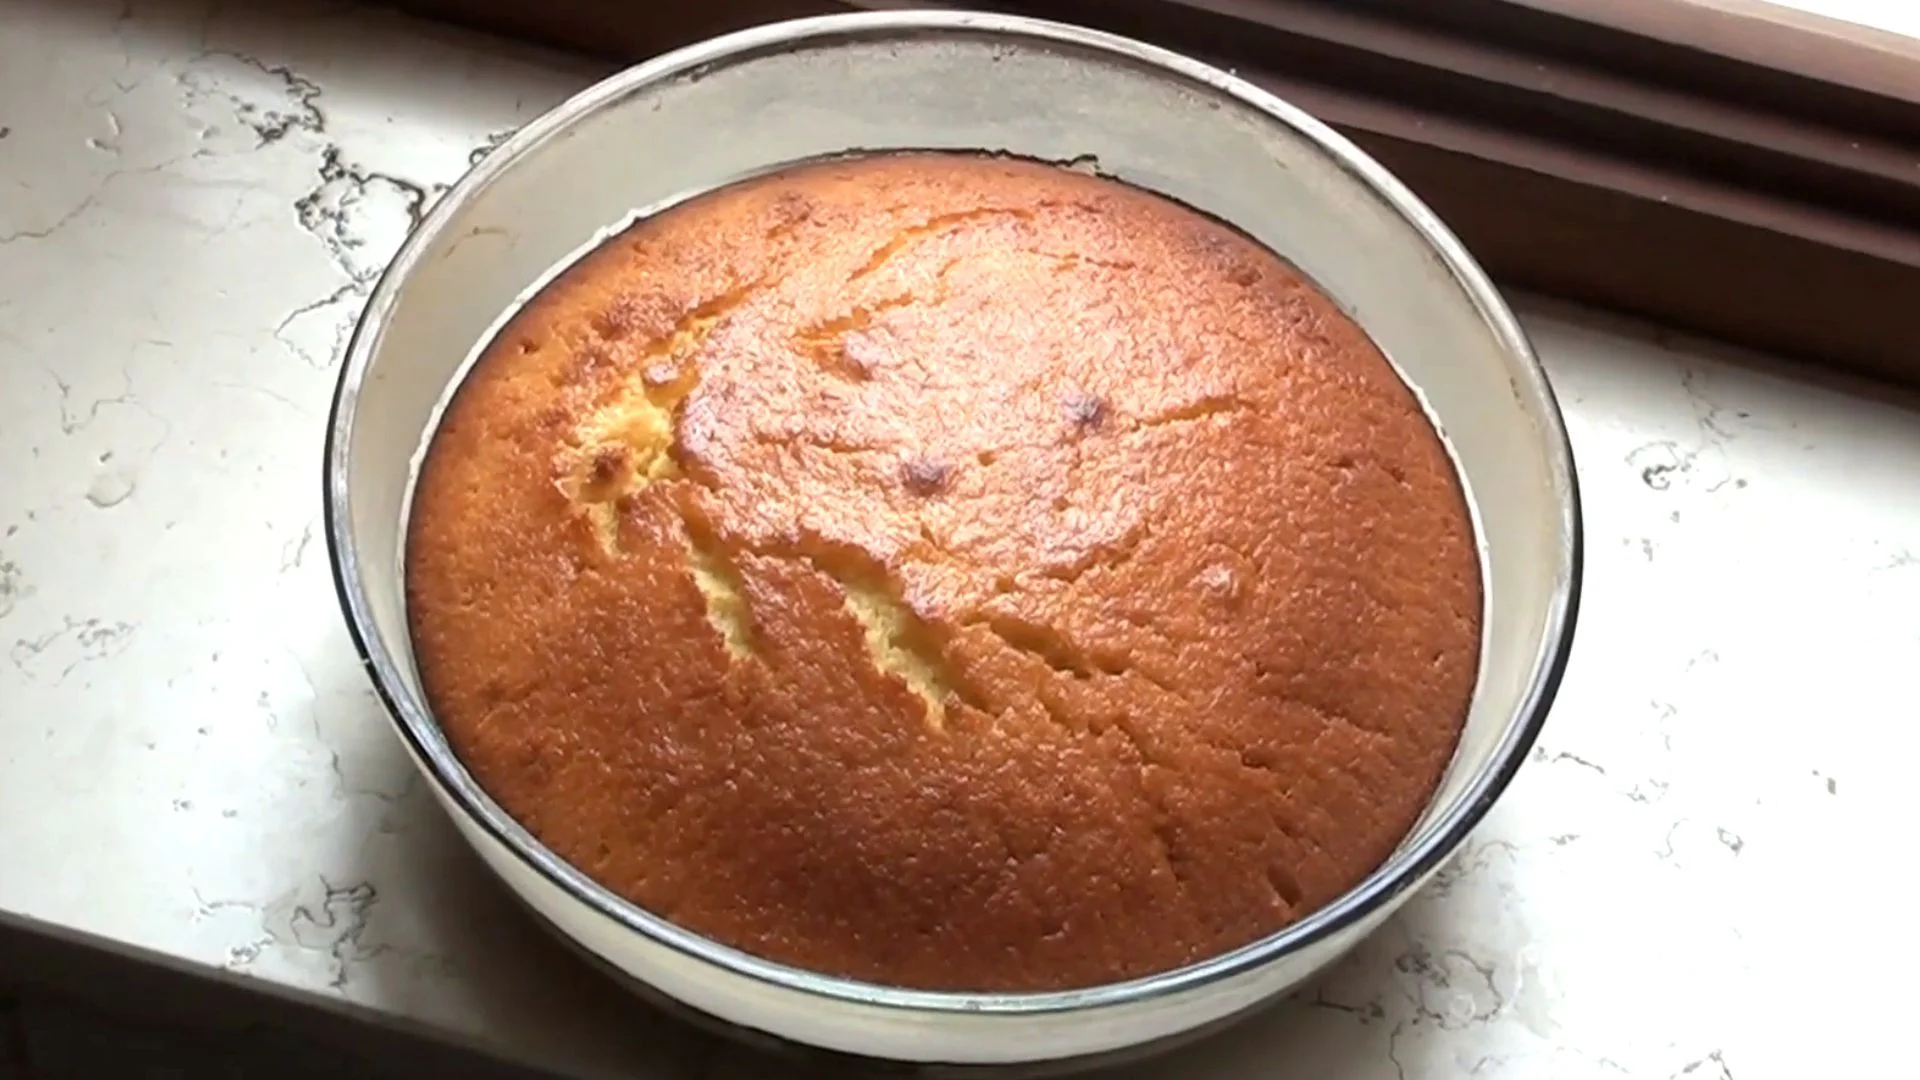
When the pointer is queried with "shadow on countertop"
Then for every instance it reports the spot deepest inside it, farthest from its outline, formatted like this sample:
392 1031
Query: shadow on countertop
74 1011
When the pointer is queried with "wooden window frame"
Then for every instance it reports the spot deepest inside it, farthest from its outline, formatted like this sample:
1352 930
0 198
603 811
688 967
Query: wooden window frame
1723 167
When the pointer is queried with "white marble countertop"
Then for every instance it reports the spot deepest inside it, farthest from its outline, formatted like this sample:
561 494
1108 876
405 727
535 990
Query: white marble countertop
1686 881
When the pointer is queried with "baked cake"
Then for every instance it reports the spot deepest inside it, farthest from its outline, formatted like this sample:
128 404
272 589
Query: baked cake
950 572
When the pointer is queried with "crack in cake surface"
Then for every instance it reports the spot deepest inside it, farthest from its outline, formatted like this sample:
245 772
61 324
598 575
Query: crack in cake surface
628 441
631 441
718 578
899 644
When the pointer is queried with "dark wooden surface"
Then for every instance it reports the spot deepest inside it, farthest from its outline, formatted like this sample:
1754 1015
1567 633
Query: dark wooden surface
73 1007
1752 179
615 28
50 1038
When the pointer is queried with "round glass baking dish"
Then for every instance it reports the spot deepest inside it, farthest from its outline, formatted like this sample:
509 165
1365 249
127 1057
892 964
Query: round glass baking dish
749 102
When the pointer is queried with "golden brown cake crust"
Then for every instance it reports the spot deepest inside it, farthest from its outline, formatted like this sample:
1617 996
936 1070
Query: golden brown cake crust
950 572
